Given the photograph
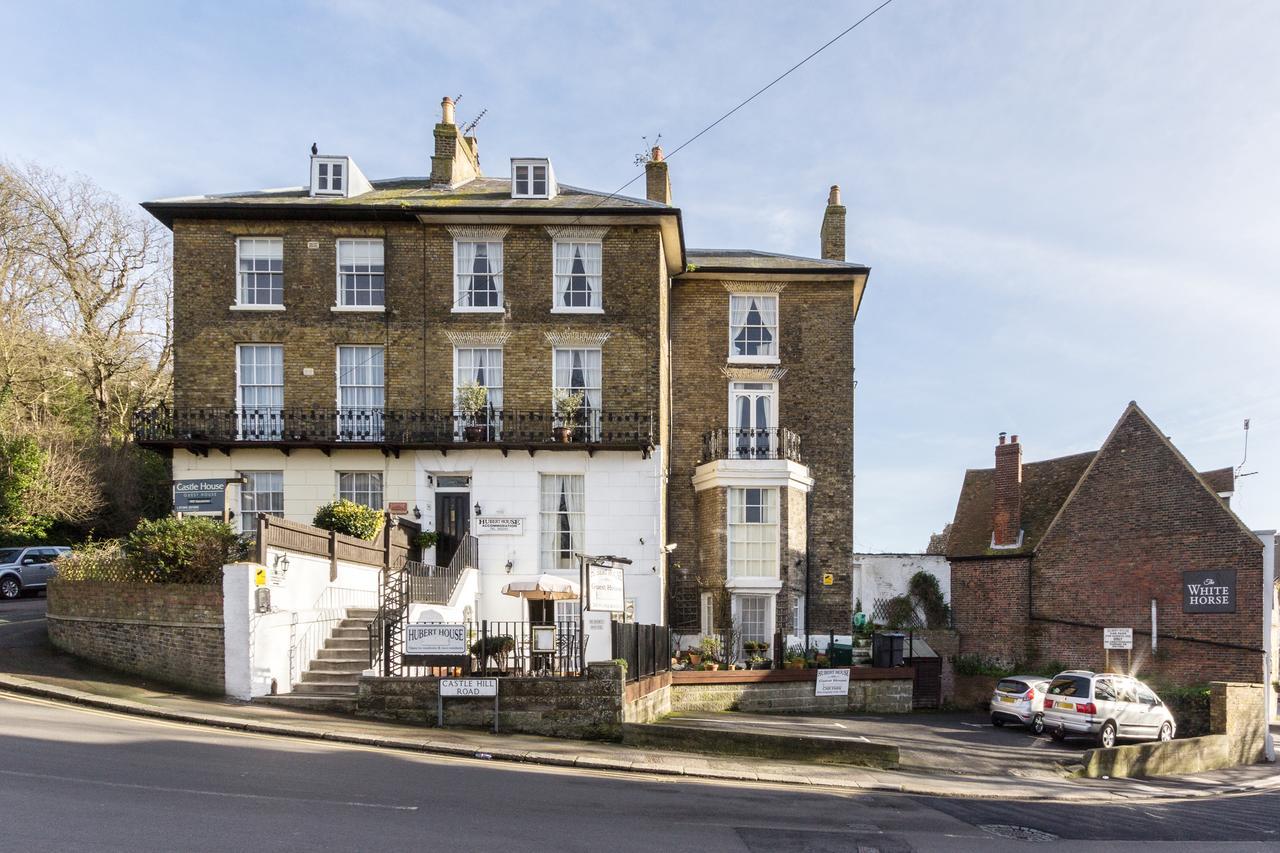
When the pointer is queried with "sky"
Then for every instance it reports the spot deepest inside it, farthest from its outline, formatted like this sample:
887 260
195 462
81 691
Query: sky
1065 206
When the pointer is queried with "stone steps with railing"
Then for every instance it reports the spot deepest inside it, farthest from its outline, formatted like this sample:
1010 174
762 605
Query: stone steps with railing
332 679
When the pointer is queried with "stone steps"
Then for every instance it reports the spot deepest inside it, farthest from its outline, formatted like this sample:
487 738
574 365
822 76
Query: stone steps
311 702
331 680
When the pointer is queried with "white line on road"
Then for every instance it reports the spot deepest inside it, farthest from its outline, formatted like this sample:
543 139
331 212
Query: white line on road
204 793
5 624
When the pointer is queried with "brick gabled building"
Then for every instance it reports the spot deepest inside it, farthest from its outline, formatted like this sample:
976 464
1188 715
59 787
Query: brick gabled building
1045 555
325 334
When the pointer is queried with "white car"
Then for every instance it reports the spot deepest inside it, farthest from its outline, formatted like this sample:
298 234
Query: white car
1019 699
1107 707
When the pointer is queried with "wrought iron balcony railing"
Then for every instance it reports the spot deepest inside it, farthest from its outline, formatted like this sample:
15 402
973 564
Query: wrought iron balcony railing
743 443
390 428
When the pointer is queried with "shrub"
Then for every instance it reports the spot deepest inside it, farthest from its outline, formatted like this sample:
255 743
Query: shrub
181 550
899 612
1189 705
350 519
978 665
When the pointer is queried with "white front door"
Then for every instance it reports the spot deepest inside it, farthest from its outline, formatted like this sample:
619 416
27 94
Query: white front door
753 432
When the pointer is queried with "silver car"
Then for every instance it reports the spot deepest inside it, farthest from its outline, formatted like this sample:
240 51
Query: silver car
1107 707
1019 700
27 569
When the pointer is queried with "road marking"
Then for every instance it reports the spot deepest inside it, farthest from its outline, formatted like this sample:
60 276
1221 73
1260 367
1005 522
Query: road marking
205 793
6 623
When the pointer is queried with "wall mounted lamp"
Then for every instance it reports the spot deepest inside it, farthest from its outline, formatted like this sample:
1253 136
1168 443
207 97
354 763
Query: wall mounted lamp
477 509
417 513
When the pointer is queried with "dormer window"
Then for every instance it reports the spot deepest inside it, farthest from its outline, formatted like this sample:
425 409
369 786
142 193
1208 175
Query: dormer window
336 176
328 177
532 179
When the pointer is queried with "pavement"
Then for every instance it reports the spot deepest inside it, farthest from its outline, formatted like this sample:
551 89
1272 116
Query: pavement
933 767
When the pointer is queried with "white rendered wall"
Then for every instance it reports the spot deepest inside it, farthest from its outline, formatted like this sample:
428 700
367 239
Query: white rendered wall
623 517
877 576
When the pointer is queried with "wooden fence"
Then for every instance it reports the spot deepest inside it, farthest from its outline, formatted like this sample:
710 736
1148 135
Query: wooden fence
392 547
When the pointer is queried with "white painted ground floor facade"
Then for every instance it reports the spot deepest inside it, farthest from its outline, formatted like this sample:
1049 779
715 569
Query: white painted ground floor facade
533 509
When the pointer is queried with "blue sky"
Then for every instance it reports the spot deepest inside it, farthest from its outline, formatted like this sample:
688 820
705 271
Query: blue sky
1066 206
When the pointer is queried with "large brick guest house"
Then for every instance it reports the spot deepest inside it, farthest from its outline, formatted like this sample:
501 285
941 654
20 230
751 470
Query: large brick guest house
636 393
1044 555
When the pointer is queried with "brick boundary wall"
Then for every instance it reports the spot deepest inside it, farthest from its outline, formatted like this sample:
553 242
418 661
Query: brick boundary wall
588 708
870 691
170 632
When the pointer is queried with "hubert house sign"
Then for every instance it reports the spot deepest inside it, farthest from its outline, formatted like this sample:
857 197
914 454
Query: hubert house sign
1209 592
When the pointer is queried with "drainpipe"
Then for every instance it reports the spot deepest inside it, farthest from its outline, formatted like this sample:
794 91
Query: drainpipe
808 562
1268 596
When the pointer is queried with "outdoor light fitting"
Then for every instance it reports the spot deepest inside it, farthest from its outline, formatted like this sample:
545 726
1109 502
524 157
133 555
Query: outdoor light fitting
477 509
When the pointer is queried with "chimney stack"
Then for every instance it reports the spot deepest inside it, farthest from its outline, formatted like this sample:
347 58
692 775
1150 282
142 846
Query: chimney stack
833 227
1006 517
456 160
657 183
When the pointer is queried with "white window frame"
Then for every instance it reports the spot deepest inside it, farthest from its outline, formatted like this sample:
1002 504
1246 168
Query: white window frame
773 566
248 515
530 179
707 613
770 622
340 303
594 408
770 443
377 425
494 423
374 476
240 304
329 163
560 282
548 560
459 296
755 359
273 432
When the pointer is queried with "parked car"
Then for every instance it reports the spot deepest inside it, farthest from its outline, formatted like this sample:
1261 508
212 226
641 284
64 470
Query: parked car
1107 707
1019 699
27 569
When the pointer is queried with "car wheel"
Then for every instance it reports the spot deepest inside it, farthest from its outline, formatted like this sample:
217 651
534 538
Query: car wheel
10 589
996 721
1166 732
1107 735
1037 724
1058 734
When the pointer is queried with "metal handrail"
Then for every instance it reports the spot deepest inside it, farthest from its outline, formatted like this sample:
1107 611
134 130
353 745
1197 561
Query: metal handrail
390 427
750 443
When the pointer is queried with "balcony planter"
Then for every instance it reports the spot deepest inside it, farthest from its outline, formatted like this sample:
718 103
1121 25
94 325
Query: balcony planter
562 434
475 432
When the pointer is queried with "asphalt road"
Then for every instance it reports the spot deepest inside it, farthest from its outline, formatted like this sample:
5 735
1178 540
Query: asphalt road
76 779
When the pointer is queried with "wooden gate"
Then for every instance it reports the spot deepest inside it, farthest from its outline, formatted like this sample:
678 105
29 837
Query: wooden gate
926 692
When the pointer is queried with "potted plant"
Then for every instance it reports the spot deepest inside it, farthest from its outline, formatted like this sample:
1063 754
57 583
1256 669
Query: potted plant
711 666
710 648
693 656
426 539
794 658
568 409
473 399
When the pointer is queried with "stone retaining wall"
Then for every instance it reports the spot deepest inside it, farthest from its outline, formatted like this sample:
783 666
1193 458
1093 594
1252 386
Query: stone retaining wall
170 632
887 693
588 708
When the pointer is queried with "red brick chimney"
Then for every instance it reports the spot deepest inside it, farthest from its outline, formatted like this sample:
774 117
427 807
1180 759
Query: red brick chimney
1006 517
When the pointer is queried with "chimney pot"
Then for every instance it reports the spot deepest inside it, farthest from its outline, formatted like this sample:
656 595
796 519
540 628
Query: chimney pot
1002 435
1014 439
657 154
446 110
834 196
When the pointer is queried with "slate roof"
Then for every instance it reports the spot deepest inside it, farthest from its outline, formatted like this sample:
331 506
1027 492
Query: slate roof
1046 485
404 196
752 260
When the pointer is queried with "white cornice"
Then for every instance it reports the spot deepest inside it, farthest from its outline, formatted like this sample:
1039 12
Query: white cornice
754 286
477 339
583 233
754 374
781 473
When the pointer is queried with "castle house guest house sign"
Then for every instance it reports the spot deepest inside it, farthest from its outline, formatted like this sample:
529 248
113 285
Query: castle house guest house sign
1209 592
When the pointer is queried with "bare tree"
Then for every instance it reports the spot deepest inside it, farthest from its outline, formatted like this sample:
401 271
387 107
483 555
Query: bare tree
100 273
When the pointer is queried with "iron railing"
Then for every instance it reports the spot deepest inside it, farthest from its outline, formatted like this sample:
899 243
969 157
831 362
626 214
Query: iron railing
645 648
493 649
389 427
429 584
743 443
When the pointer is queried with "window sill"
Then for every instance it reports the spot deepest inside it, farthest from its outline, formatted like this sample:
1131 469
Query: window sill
564 310
239 307
359 309
460 309
754 359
